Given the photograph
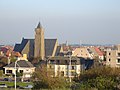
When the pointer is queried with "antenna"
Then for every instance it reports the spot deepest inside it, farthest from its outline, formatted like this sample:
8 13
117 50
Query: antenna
66 43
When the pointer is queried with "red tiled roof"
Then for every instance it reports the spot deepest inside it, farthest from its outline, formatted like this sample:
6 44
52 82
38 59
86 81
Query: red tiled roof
8 53
98 51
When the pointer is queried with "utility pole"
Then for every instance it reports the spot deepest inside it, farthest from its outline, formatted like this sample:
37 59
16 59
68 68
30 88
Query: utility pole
70 69
15 70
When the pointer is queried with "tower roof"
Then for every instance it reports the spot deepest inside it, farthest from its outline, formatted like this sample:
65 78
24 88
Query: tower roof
39 25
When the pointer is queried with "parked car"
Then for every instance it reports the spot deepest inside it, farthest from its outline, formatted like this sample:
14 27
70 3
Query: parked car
28 87
6 79
3 86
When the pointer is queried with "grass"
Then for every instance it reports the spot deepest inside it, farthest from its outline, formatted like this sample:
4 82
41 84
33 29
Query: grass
22 84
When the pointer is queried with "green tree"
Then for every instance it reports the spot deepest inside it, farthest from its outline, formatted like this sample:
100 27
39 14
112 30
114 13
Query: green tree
18 74
1 73
102 78
43 79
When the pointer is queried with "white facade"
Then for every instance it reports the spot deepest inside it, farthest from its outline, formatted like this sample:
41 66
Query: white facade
66 70
27 72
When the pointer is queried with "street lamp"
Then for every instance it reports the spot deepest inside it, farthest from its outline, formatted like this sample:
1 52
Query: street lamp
15 70
69 55
70 68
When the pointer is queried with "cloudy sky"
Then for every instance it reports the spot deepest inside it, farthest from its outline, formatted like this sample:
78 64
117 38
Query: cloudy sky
88 21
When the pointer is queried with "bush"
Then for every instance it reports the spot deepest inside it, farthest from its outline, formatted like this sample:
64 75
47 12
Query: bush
101 78
42 79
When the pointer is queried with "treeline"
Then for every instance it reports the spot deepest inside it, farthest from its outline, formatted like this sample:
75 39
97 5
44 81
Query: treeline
100 78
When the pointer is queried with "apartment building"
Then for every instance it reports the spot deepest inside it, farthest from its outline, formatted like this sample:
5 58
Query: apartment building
64 66
113 56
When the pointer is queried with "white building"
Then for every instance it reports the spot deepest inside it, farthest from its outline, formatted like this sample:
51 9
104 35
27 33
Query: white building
23 66
60 66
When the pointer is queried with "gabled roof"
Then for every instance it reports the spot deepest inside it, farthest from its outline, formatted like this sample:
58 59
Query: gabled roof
49 46
98 51
21 63
58 50
16 47
31 42
20 47
24 42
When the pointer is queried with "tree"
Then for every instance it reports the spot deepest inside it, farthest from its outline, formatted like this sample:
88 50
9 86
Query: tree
3 62
43 79
102 78
18 74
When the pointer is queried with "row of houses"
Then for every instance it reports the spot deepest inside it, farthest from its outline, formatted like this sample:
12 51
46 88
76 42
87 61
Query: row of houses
61 60
67 65
58 66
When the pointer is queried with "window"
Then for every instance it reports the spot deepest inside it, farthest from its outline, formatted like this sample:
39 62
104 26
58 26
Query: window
66 62
109 60
62 73
73 67
118 60
58 61
9 71
118 54
52 61
109 53
21 71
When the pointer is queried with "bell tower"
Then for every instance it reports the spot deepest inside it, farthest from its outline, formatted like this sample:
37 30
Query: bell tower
39 49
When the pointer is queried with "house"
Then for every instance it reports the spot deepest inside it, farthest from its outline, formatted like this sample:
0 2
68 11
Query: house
113 56
60 66
82 52
23 66
96 52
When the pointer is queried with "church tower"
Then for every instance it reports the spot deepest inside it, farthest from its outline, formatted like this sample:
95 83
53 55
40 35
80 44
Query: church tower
39 49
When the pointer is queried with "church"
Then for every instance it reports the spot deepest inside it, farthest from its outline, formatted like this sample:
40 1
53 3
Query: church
38 47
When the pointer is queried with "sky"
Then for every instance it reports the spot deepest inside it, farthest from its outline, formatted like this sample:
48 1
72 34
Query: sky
74 21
